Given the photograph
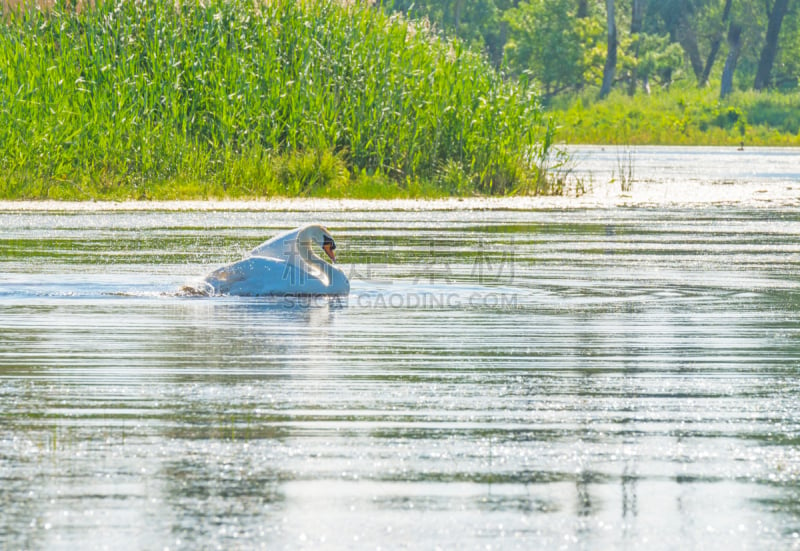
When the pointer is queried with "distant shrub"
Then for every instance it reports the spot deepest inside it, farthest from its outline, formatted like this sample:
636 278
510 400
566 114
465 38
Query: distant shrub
783 116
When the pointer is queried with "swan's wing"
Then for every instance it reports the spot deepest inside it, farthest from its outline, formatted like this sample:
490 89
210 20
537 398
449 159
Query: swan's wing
222 279
258 276
280 246
217 282
228 274
252 276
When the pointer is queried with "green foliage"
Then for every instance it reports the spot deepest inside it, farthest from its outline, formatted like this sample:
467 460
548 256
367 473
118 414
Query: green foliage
727 118
232 98
308 172
564 52
454 179
544 41
780 112
681 116
786 72
592 36
478 23
650 57
659 51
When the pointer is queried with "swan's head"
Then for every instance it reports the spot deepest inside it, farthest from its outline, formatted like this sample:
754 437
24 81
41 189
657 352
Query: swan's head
320 235
329 245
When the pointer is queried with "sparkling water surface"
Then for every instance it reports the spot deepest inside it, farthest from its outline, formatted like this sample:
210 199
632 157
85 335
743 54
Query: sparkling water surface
587 379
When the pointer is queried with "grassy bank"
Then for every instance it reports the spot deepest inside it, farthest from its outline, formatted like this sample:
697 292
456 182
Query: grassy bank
146 100
680 116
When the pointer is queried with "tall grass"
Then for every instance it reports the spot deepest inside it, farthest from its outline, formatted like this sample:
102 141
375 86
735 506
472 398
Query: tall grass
682 116
149 99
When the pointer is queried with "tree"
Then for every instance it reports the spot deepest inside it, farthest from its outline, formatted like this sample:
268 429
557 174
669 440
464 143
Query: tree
715 44
770 48
543 41
786 70
658 58
687 37
675 17
735 48
611 38
611 56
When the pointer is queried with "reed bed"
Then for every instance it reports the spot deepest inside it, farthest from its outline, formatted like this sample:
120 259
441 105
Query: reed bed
153 99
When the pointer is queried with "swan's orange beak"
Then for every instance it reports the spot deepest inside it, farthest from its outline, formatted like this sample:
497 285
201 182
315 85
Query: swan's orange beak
328 248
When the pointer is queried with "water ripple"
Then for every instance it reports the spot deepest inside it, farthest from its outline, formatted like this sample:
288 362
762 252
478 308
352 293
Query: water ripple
520 379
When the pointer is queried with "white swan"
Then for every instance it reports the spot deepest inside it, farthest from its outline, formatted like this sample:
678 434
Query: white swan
284 265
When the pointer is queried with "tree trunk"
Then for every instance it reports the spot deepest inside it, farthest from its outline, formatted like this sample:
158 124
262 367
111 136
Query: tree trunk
611 57
688 41
583 9
637 14
770 49
735 47
715 44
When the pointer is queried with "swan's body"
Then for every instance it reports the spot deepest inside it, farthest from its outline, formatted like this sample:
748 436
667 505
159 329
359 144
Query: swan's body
284 265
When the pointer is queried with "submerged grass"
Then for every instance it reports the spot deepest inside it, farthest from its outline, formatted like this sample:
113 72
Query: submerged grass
149 99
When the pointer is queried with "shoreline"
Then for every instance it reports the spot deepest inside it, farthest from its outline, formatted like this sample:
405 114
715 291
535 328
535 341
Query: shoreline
758 199
608 176
645 195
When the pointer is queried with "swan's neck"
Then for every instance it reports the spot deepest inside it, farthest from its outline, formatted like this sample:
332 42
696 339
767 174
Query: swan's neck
314 265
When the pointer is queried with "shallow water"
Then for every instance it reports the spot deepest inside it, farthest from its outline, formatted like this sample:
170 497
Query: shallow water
607 378
687 175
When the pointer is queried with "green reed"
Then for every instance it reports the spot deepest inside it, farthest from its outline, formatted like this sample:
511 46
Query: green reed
146 99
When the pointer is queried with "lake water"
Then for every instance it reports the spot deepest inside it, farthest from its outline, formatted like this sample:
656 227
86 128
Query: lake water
498 378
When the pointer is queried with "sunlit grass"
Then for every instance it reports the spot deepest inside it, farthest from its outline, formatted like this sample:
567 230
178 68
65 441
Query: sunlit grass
235 99
682 116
